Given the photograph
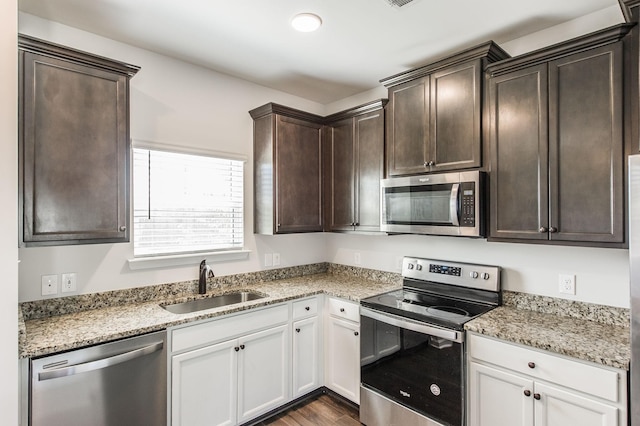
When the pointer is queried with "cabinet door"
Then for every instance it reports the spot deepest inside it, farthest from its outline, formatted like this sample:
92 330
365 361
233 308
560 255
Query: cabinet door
343 358
559 407
455 117
497 398
306 353
74 153
341 176
519 164
408 128
369 169
298 171
585 144
263 372
204 386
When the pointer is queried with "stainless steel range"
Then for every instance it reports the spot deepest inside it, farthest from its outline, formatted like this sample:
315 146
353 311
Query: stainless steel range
412 342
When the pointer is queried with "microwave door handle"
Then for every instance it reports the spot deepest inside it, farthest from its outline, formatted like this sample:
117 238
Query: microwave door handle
453 204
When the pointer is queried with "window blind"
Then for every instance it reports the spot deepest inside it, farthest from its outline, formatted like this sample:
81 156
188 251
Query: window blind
186 203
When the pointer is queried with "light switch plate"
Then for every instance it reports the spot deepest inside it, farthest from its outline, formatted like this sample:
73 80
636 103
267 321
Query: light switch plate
49 285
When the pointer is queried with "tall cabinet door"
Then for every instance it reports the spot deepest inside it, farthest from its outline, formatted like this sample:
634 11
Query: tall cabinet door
306 355
519 149
408 128
263 374
456 101
498 398
204 386
369 168
341 176
585 143
298 175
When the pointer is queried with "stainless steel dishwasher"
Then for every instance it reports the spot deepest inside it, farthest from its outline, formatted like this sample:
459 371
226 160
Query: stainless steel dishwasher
118 383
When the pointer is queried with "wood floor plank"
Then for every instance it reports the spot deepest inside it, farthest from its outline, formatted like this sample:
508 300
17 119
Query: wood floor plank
323 410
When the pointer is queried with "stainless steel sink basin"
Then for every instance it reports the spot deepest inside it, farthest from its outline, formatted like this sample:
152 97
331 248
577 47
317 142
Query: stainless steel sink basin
213 302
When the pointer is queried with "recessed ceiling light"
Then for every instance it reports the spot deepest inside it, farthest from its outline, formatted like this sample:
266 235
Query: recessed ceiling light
306 22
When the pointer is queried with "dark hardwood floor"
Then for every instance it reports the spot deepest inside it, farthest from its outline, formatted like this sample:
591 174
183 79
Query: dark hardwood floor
323 410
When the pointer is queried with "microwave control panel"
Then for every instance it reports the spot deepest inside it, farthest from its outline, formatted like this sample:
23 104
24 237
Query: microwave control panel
468 204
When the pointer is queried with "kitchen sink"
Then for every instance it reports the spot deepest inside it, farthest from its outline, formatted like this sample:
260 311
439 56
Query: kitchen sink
213 302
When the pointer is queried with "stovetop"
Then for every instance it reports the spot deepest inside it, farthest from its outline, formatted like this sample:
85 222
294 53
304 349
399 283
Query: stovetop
444 293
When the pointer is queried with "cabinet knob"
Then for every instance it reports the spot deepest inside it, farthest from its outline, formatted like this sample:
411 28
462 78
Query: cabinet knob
297 330
532 365
356 224
536 396
527 392
426 164
355 333
242 347
123 228
553 229
236 348
306 308
432 163
542 230
341 309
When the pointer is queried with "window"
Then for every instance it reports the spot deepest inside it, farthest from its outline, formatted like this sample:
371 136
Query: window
185 203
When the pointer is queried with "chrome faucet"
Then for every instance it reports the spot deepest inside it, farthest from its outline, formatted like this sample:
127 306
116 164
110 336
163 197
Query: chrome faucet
205 272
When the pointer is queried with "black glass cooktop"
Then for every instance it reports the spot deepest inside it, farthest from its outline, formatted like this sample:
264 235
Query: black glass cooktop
430 308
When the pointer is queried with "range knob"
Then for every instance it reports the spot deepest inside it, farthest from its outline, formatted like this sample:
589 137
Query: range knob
418 267
485 276
473 274
410 266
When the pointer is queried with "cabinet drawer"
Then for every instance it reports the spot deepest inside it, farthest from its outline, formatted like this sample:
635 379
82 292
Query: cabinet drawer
305 308
590 379
344 309
227 327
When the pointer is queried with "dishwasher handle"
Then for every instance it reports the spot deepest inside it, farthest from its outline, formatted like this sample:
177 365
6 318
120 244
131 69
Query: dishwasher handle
100 363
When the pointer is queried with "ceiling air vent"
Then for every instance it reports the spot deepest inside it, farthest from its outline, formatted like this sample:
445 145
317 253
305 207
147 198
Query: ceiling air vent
399 3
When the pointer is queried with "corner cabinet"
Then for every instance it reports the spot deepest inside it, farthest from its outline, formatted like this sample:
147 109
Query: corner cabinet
434 115
74 145
513 385
354 166
557 139
287 150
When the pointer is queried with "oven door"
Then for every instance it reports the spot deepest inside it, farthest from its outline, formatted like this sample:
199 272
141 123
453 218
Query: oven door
414 364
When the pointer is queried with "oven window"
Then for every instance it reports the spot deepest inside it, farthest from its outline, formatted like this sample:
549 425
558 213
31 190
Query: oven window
417 370
418 205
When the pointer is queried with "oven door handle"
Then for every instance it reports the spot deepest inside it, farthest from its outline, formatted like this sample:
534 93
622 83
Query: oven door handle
409 324
453 204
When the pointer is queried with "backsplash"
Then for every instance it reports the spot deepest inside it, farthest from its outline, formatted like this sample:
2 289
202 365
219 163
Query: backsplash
603 314
71 304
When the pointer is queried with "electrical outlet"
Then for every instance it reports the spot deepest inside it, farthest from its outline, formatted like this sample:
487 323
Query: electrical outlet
268 259
567 284
49 285
276 259
357 258
68 282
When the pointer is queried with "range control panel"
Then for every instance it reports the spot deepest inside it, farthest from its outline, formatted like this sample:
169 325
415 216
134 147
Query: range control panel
483 277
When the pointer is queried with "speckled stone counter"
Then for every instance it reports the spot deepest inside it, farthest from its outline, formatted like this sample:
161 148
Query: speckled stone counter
585 331
91 319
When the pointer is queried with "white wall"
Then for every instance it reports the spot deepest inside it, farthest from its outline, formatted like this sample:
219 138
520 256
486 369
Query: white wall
177 103
8 213
174 102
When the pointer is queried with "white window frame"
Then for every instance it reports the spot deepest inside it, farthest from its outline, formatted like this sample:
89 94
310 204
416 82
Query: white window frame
188 258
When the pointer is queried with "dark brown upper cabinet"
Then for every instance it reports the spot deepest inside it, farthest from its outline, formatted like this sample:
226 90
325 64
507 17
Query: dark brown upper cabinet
287 150
556 115
434 115
74 146
354 166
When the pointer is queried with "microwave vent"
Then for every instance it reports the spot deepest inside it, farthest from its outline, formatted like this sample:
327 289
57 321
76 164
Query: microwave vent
399 3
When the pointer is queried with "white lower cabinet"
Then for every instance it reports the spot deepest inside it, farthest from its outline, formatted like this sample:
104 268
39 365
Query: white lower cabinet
342 348
232 381
512 385
306 355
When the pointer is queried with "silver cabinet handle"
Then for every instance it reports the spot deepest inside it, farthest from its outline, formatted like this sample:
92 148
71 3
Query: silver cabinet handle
100 363
553 229
542 230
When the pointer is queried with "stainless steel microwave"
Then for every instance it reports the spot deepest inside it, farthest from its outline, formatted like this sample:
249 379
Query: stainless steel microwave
436 204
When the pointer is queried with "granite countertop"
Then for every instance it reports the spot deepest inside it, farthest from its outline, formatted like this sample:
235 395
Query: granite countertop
605 344
50 334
